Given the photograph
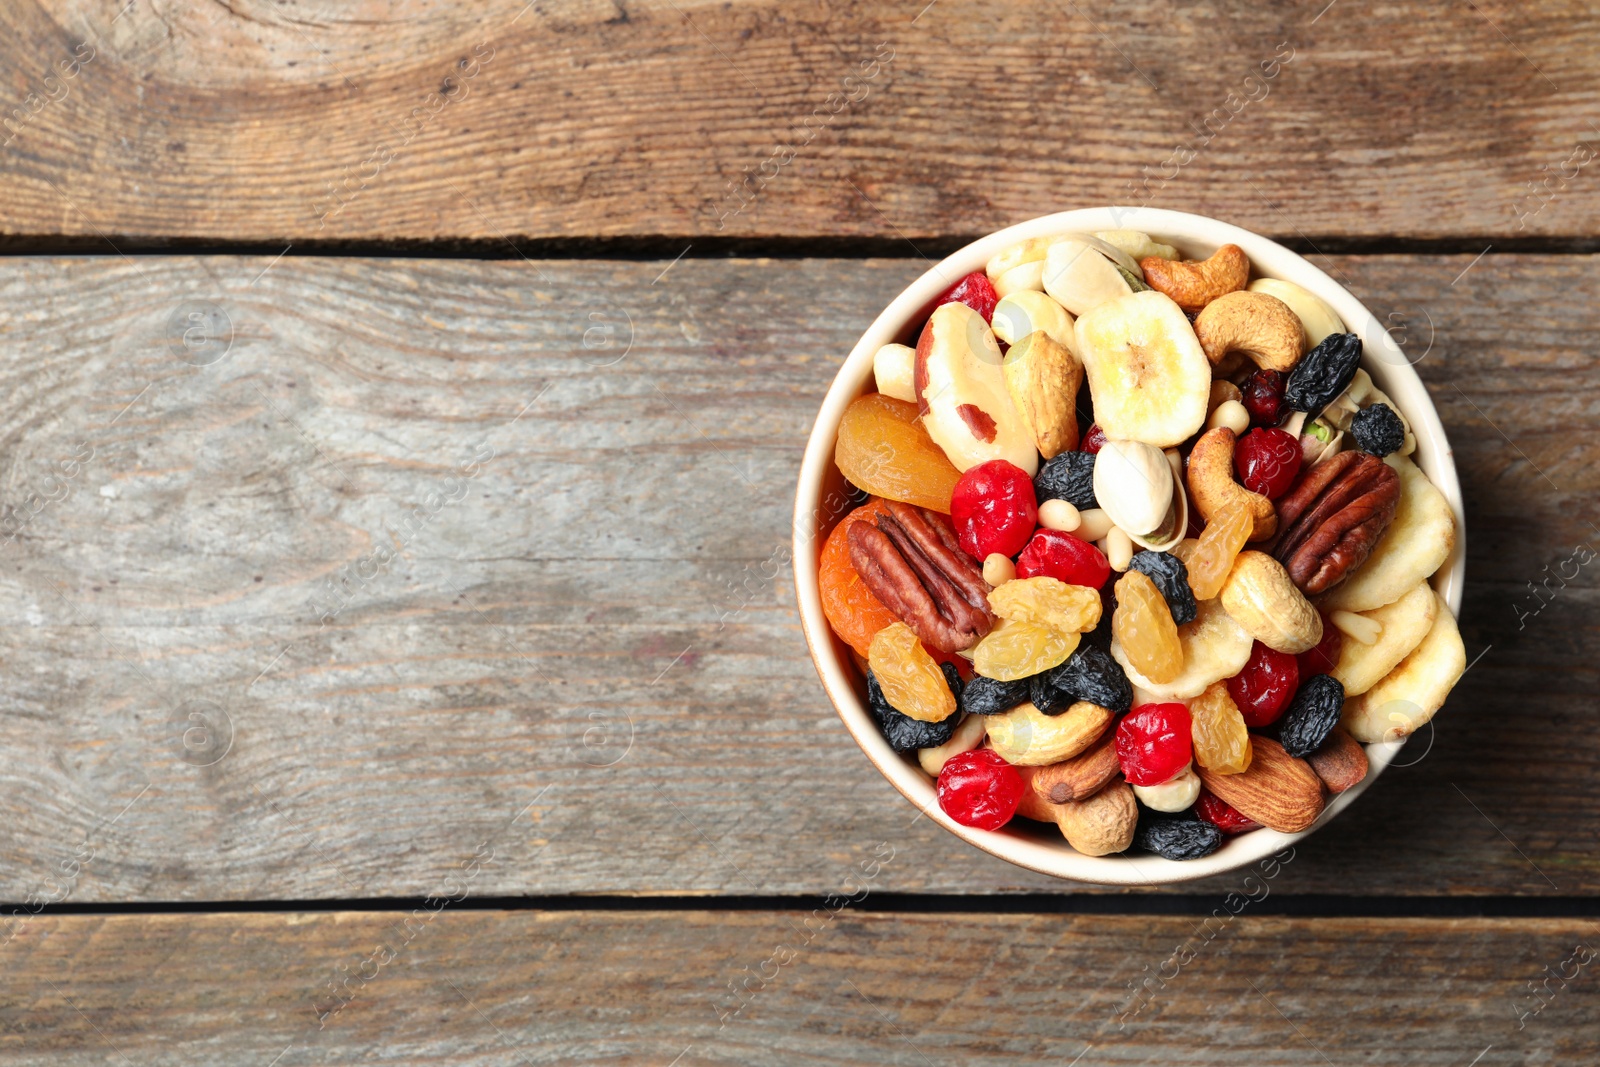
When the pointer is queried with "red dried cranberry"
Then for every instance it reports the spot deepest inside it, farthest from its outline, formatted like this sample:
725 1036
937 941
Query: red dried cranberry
1153 743
1267 461
1263 689
1219 813
1093 440
993 509
975 291
1263 397
1325 657
980 789
1066 558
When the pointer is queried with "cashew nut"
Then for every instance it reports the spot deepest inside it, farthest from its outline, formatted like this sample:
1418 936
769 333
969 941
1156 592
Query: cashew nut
1195 283
1262 328
1211 483
1023 278
1176 794
968 735
1030 251
1027 737
1020 313
1262 598
1316 316
1137 244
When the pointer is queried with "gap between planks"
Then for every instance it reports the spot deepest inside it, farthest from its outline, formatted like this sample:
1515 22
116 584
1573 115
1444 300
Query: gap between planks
1305 905
675 246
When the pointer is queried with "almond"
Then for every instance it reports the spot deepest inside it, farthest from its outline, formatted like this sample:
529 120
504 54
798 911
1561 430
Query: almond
1082 776
1262 598
1277 791
1341 762
1034 806
1103 824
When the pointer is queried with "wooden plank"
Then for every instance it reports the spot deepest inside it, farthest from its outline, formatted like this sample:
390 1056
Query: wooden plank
583 653
653 988
672 121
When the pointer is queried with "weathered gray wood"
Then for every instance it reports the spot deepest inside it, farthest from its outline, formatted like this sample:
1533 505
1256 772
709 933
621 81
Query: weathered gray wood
428 121
597 621
653 988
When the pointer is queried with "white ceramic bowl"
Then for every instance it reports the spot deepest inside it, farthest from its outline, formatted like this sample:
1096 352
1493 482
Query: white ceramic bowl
1196 237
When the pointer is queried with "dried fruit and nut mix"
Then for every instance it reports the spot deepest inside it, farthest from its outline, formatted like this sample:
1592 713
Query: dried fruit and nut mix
1174 627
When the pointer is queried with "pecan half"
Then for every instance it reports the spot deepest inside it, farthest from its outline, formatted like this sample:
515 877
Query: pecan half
1332 517
912 562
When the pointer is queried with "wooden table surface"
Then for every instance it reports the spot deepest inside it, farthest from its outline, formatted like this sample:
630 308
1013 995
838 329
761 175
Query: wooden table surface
400 409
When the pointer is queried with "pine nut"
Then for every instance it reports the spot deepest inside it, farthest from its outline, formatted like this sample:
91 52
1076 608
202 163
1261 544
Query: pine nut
1093 524
1059 515
1119 549
998 569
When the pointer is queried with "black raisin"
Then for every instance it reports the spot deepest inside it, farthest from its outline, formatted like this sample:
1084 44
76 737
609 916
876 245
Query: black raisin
1178 839
1378 430
1100 636
952 678
1312 715
1068 476
1089 674
1172 578
904 733
987 696
1323 373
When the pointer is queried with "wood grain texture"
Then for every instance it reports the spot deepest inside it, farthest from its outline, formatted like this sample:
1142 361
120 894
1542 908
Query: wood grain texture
411 570
653 988
427 121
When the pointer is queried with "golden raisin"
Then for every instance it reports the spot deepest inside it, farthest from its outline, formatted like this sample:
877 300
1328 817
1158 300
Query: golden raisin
1143 625
1069 608
1221 742
883 449
1220 544
1016 650
911 680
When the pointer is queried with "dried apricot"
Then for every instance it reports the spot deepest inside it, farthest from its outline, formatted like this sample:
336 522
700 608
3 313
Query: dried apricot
852 610
883 449
1220 544
911 681
1221 742
1068 608
1143 625
1015 650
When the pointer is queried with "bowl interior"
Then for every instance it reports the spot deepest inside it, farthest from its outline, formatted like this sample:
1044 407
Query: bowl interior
819 505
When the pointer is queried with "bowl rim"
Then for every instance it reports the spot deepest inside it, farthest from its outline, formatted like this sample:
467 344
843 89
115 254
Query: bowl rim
1195 236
